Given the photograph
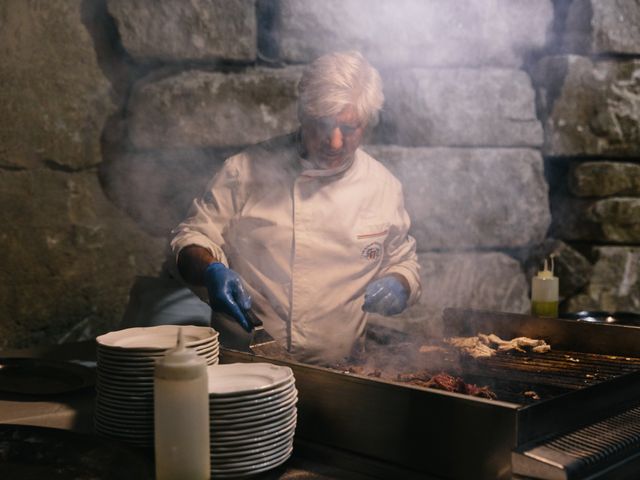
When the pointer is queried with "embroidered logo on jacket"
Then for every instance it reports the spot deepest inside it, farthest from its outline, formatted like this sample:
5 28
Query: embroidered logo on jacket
372 251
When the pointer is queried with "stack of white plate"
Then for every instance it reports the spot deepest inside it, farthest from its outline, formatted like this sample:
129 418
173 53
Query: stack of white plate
124 384
253 417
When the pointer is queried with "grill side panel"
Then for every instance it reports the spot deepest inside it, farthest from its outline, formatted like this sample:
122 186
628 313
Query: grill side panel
584 452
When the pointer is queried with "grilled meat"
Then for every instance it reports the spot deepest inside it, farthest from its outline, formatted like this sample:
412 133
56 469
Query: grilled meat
484 345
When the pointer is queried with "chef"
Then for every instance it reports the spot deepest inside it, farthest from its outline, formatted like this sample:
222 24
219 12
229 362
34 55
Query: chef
307 229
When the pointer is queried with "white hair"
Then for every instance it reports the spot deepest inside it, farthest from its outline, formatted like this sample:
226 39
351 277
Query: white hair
336 80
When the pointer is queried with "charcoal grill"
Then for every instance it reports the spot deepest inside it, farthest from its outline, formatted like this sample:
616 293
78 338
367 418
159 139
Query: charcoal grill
588 384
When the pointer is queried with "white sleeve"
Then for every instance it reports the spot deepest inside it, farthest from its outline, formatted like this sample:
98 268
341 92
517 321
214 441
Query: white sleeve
400 249
209 215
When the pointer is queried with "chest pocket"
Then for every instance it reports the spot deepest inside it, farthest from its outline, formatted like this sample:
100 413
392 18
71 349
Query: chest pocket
366 231
369 236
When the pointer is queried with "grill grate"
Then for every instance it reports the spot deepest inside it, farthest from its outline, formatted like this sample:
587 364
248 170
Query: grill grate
569 370
583 451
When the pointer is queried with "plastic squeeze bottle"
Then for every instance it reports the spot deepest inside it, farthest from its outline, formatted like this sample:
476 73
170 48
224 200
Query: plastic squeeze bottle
181 415
545 292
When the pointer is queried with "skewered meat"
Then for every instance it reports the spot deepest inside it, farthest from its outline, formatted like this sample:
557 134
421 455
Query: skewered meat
518 343
423 378
484 345
449 383
432 349
443 381
474 346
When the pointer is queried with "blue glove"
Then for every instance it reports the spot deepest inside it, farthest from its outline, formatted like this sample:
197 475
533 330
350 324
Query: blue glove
386 296
226 293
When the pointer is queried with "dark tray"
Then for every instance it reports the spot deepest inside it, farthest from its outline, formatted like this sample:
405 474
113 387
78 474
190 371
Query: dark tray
35 376
28 452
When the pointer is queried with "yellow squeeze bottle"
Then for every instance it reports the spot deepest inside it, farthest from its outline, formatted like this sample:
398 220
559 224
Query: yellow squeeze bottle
545 289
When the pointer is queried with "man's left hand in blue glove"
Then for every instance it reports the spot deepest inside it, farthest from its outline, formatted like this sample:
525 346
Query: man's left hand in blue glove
386 296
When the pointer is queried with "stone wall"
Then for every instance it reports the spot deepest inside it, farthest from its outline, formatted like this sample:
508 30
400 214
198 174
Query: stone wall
589 102
69 255
513 125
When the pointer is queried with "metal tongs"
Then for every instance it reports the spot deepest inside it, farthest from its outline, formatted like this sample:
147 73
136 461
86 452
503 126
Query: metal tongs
260 337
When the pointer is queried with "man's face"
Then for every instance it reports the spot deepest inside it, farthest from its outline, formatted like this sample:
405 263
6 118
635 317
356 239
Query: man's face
330 141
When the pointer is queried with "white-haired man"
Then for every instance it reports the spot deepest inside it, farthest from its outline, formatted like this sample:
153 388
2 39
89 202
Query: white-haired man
307 229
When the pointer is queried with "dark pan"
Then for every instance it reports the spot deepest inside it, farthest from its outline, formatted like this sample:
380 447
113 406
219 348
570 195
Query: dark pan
34 376
611 318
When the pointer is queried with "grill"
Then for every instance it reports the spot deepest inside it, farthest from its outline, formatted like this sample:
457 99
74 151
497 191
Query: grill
588 382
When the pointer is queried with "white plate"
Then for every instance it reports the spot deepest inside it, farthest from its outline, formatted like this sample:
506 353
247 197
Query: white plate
128 392
147 359
145 367
263 421
134 381
136 442
132 370
121 355
123 414
160 337
125 371
250 466
249 398
255 417
264 468
108 393
117 422
144 363
249 449
128 432
249 459
123 392
124 399
239 379
137 410
219 411
223 434
231 444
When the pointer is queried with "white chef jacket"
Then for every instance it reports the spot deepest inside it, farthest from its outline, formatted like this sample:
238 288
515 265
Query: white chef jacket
305 242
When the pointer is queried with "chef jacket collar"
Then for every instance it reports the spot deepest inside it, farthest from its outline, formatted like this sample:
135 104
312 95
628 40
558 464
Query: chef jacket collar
309 169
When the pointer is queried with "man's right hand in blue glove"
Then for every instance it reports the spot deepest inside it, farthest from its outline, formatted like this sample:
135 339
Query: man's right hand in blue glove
226 293
386 296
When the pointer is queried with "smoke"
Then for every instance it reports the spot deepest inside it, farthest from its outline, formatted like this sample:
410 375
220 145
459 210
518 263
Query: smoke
468 205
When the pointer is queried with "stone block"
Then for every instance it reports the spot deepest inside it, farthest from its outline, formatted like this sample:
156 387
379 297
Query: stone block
605 179
589 107
197 30
571 267
619 218
602 27
415 32
610 220
615 283
54 99
69 256
196 108
460 107
471 198
483 281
